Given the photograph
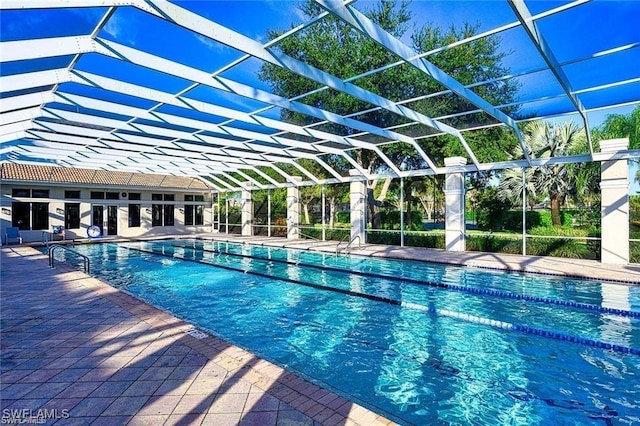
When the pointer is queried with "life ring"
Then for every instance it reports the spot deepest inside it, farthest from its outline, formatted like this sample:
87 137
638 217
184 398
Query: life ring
94 232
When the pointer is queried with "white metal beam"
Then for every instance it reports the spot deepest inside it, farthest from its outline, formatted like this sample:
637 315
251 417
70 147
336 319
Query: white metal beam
361 22
524 16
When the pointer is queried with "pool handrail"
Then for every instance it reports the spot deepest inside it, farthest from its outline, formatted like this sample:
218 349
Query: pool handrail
346 249
86 260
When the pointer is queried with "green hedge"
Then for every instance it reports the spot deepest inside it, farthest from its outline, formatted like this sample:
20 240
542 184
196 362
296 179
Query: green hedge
390 219
634 251
557 247
330 234
494 244
512 220
412 239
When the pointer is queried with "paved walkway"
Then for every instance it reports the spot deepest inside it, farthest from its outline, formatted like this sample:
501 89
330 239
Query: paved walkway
77 351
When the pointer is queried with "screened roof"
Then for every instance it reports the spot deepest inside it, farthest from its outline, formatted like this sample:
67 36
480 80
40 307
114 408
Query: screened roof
178 88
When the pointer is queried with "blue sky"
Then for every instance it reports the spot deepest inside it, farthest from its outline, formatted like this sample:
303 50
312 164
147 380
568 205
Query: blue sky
580 32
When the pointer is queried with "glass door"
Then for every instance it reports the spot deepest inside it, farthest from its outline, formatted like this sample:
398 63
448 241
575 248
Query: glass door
112 220
97 216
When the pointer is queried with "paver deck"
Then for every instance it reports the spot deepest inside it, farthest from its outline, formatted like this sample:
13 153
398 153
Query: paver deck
77 351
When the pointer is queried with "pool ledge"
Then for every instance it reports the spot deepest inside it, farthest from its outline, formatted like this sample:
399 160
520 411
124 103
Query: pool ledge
84 351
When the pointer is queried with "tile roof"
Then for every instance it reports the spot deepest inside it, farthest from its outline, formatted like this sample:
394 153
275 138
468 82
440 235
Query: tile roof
49 174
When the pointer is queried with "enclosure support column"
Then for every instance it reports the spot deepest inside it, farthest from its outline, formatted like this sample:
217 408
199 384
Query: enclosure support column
293 210
247 213
614 187
269 213
226 214
401 212
524 211
358 205
324 202
454 211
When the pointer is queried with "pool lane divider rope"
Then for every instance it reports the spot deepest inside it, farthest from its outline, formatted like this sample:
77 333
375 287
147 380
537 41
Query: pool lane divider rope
465 289
414 306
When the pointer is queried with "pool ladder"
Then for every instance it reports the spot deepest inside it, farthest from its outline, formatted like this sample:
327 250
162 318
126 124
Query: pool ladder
348 247
85 259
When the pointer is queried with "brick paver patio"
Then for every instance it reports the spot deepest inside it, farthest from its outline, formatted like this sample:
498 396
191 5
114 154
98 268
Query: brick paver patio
77 351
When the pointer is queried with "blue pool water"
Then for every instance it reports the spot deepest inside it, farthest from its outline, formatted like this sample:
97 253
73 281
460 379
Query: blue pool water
420 343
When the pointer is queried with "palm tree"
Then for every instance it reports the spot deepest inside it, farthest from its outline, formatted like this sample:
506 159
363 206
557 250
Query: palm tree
557 180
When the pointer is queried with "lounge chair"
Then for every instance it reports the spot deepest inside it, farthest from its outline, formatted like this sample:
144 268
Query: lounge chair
12 234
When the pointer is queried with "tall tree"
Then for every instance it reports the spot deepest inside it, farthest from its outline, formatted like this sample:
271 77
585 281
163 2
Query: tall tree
341 50
621 126
557 180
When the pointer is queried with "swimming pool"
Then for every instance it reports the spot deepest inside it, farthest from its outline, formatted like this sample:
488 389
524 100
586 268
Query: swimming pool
420 343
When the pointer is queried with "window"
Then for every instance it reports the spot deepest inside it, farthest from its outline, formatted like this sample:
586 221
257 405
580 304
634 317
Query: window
40 193
30 216
97 195
194 198
156 214
162 214
134 215
40 216
199 215
20 215
193 214
168 215
18 192
135 196
72 194
72 215
188 214
113 195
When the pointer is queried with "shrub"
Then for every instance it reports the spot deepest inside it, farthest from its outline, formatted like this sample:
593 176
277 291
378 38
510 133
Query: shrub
634 208
411 239
424 240
564 232
512 220
390 219
491 210
494 244
559 247
335 234
634 251
343 217
387 238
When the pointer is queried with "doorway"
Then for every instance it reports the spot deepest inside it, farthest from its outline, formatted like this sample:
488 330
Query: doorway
97 216
112 220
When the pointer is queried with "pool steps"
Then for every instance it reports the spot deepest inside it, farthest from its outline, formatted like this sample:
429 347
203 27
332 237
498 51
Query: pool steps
409 305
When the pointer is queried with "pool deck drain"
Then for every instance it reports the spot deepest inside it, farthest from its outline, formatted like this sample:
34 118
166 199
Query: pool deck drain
77 351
